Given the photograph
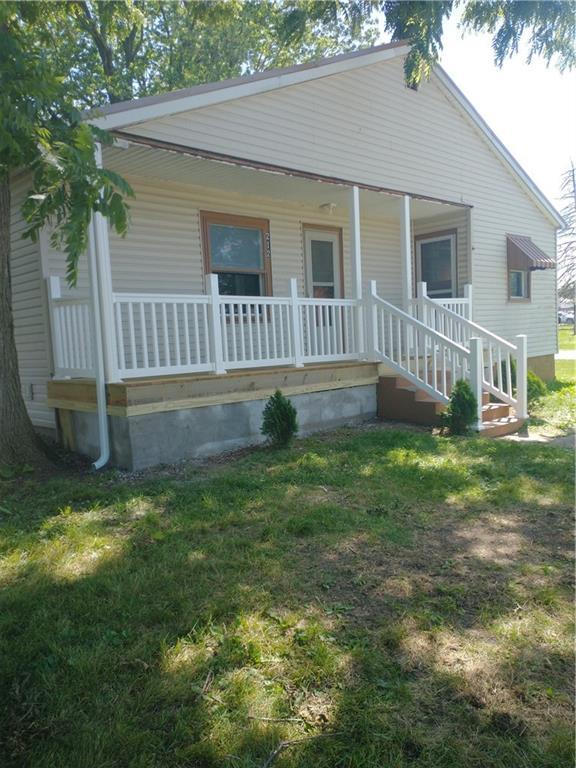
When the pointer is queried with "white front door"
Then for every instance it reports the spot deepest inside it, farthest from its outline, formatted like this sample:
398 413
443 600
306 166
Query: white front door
322 257
436 265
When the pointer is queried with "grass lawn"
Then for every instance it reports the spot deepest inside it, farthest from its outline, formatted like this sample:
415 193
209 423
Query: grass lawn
370 599
566 337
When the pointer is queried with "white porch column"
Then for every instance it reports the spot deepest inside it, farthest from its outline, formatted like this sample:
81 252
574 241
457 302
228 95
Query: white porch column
102 243
355 243
476 370
356 255
521 376
406 252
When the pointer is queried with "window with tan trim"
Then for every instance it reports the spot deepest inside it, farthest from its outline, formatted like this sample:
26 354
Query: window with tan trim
237 249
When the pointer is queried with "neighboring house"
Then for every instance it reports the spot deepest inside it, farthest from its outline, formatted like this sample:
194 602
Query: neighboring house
285 230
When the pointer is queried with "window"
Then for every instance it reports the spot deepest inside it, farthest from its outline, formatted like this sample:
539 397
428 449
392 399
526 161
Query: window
436 263
237 249
323 260
518 284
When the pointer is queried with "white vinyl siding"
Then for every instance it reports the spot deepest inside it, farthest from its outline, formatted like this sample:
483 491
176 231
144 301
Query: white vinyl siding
30 315
366 126
163 250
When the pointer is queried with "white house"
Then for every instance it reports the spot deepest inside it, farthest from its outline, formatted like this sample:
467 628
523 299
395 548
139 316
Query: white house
322 229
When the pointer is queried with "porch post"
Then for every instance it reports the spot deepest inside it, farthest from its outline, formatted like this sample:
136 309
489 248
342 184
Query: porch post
102 252
406 252
356 254
295 323
468 296
476 366
422 309
521 376
216 341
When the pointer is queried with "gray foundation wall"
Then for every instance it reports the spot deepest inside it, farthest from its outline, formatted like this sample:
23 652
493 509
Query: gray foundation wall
146 440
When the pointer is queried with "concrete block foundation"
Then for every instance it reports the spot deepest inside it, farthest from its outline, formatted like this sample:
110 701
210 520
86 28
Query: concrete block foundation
145 440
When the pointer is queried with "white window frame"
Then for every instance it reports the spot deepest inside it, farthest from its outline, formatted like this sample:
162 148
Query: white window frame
524 295
330 235
453 271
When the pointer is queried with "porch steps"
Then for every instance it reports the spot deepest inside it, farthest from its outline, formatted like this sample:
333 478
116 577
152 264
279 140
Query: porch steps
401 400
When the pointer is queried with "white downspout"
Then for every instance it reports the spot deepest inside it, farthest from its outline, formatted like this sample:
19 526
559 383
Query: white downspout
99 371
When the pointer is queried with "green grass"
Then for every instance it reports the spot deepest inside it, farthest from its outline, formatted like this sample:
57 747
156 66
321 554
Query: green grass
376 598
566 337
555 414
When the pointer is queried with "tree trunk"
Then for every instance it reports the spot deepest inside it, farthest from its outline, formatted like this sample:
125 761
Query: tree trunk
19 443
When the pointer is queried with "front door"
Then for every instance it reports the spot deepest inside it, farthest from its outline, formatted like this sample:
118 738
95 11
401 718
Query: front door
322 256
436 264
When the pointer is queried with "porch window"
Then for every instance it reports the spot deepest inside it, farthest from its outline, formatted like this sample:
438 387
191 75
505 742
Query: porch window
518 284
436 263
237 249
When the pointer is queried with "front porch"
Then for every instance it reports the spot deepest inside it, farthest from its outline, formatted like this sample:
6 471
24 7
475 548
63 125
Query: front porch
335 277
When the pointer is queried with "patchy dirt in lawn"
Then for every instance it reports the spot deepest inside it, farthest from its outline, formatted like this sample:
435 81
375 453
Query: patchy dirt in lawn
457 605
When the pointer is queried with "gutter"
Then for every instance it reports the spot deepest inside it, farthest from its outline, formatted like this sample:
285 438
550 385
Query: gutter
99 372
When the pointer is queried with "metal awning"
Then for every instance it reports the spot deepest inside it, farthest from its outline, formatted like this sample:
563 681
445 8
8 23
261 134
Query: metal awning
523 253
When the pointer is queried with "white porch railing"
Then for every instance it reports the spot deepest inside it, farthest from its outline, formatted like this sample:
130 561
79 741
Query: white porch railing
73 337
460 306
502 361
159 334
419 353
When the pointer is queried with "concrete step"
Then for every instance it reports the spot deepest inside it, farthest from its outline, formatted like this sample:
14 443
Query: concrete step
500 427
494 411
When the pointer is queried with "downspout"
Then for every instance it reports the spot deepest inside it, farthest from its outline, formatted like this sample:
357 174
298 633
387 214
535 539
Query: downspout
99 372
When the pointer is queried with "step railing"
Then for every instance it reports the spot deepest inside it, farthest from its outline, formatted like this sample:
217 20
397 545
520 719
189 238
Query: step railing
419 353
504 365
460 306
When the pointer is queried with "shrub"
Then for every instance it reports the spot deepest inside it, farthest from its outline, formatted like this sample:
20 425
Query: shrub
460 412
280 421
536 387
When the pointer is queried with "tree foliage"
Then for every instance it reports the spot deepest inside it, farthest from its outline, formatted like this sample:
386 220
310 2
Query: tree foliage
567 237
114 51
547 28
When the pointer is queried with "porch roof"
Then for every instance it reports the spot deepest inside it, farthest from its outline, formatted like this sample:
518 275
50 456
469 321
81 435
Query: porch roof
185 166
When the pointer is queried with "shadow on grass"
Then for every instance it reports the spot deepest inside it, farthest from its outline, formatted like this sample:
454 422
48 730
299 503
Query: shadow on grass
365 587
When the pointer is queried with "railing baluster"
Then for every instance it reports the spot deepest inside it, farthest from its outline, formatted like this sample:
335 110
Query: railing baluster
176 323
198 356
155 345
167 352
132 335
144 336
186 334
241 330
206 334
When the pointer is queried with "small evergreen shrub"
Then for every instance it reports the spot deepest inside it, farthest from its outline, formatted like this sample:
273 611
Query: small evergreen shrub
460 412
280 420
536 387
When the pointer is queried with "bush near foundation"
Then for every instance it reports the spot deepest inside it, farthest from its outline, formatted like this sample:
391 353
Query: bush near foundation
535 387
460 413
280 420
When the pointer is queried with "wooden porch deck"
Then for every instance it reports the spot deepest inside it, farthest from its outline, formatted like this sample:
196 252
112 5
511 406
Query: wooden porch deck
136 397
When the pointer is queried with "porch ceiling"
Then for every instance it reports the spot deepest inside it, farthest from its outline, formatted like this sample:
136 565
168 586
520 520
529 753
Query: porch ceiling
147 162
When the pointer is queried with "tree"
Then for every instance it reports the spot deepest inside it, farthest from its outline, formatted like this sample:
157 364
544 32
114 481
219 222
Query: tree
548 27
41 131
567 240
119 50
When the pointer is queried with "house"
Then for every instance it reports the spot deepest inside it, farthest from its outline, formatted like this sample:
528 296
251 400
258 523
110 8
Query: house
322 229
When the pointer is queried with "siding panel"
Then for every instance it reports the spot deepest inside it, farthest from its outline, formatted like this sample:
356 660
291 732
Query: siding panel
30 317
364 125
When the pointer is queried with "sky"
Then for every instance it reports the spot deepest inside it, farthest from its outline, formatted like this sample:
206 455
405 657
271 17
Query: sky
530 107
